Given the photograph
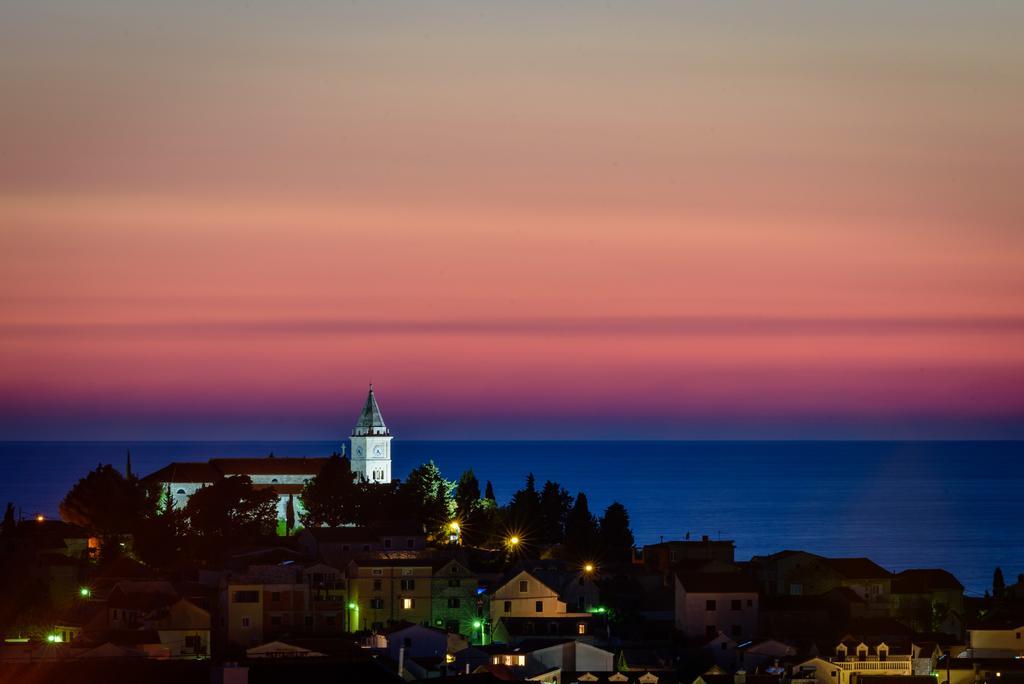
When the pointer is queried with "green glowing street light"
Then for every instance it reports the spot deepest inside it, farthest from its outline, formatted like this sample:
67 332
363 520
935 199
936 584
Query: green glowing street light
352 606
85 592
477 624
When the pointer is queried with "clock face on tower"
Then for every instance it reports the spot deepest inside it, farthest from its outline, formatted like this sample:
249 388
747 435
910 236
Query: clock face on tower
359 451
378 451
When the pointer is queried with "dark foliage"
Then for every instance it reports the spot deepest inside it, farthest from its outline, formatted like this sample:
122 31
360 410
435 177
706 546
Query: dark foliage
616 537
232 509
329 499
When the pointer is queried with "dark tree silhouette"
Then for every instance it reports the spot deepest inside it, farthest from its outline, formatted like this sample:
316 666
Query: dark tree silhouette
998 584
106 503
489 493
9 524
329 499
427 495
289 516
581 535
555 502
616 537
232 509
467 496
159 536
524 506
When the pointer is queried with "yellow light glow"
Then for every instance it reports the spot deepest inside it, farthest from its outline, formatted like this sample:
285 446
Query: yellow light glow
513 540
588 568
40 518
407 603
454 526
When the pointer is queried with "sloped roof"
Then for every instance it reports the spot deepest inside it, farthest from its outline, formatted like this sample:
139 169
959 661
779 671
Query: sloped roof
185 472
370 419
217 468
269 465
857 568
925 581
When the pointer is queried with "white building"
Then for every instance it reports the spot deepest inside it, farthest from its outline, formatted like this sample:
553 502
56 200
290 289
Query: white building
371 462
371 444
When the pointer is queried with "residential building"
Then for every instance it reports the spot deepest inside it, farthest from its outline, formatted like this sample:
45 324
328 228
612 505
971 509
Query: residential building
457 602
583 627
996 639
270 601
851 661
416 641
344 543
539 659
928 600
709 603
524 594
388 590
665 555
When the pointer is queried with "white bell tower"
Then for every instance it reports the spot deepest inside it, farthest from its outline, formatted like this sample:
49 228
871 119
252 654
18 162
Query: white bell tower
371 444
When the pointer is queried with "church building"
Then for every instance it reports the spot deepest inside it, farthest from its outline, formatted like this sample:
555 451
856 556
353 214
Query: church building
371 462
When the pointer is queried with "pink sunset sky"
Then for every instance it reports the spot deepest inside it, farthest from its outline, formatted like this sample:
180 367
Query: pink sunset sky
519 220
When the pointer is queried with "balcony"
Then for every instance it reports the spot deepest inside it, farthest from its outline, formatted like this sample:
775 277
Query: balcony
892 664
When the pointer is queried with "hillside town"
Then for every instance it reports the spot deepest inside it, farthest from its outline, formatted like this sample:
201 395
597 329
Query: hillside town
241 570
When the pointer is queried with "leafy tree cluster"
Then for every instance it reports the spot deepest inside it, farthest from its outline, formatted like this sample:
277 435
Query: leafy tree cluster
111 505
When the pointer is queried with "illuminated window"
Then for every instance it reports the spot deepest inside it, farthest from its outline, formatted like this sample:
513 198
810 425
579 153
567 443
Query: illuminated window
407 603
581 628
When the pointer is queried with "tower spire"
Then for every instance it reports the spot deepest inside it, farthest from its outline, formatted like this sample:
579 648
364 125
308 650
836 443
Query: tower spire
370 420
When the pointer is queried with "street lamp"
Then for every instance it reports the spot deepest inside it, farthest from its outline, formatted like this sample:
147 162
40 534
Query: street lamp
453 531
588 568
40 517
479 624
85 592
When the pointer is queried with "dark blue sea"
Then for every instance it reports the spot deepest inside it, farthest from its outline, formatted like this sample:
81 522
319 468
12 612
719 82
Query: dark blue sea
955 505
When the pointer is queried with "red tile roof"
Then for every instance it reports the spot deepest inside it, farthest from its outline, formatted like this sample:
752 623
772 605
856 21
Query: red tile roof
217 468
269 465
185 472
